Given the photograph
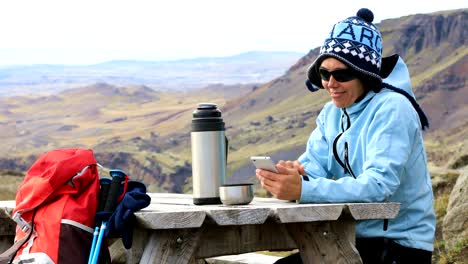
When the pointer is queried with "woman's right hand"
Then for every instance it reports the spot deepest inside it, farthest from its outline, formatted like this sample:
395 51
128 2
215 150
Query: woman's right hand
293 164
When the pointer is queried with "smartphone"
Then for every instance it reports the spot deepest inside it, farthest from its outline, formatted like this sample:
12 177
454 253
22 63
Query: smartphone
263 162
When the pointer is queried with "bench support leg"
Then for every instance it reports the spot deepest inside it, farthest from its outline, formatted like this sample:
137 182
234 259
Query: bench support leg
172 246
326 242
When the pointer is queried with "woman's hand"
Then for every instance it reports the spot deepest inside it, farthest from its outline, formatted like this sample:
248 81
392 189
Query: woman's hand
286 184
293 164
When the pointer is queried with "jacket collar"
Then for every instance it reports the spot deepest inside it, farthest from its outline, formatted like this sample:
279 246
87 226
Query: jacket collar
359 106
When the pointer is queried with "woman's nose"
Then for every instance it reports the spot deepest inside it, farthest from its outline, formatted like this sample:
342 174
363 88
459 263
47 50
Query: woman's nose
332 82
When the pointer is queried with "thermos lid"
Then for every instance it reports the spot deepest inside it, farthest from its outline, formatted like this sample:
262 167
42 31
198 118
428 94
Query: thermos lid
207 117
207 106
207 110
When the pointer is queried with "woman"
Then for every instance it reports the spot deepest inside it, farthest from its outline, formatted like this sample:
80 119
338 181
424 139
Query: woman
367 147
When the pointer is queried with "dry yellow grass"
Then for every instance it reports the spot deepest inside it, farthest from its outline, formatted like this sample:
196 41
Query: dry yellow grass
9 186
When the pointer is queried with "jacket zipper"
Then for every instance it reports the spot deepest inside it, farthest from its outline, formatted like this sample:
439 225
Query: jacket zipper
346 166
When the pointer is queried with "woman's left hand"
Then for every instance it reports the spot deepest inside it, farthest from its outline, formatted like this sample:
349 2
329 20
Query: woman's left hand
284 185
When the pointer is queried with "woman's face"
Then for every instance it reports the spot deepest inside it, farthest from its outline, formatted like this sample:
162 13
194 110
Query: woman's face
343 90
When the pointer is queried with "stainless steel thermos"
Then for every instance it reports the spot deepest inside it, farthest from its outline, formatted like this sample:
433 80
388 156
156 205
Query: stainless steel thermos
209 154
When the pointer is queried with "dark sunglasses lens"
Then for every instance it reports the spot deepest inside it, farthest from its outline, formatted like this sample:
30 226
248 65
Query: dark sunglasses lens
344 75
324 75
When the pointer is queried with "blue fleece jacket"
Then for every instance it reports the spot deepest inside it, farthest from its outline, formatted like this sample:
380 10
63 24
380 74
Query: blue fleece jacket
383 159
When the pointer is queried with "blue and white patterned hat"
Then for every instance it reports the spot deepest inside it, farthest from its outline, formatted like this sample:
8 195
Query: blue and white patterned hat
357 43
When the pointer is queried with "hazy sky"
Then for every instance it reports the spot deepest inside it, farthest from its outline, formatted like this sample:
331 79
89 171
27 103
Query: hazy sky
93 31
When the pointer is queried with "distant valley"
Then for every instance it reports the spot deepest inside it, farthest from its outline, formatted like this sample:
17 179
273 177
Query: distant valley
181 75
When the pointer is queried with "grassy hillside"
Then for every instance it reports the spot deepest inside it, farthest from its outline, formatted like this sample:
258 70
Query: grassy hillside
92 115
11 180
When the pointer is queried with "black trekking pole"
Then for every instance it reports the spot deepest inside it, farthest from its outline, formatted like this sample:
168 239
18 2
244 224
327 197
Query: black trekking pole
118 177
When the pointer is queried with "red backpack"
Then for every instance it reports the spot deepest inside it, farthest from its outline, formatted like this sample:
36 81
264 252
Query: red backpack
55 208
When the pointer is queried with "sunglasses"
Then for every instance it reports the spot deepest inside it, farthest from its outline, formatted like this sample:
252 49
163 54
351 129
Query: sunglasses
341 75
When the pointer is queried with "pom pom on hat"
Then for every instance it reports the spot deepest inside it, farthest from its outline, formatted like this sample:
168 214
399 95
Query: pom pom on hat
365 14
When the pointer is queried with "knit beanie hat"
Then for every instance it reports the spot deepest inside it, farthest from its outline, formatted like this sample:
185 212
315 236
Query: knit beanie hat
357 43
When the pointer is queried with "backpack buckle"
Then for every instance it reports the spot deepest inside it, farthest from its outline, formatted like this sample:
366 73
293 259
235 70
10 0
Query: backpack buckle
23 225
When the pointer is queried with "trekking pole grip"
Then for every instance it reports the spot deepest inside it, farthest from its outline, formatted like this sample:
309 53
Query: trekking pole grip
118 177
104 193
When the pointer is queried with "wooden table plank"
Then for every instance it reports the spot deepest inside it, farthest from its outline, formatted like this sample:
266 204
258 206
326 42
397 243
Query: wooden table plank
309 212
360 211
167 206
170 220
171 198
238 215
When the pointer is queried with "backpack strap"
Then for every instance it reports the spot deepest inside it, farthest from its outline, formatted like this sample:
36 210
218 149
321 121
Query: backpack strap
10 253
8 256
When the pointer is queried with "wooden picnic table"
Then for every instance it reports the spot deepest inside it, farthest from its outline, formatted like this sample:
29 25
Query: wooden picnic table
174 230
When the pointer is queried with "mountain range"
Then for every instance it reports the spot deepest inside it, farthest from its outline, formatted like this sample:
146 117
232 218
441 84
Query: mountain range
249 67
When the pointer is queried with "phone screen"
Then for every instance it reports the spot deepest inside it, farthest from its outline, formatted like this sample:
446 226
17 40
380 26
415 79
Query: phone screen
264 162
